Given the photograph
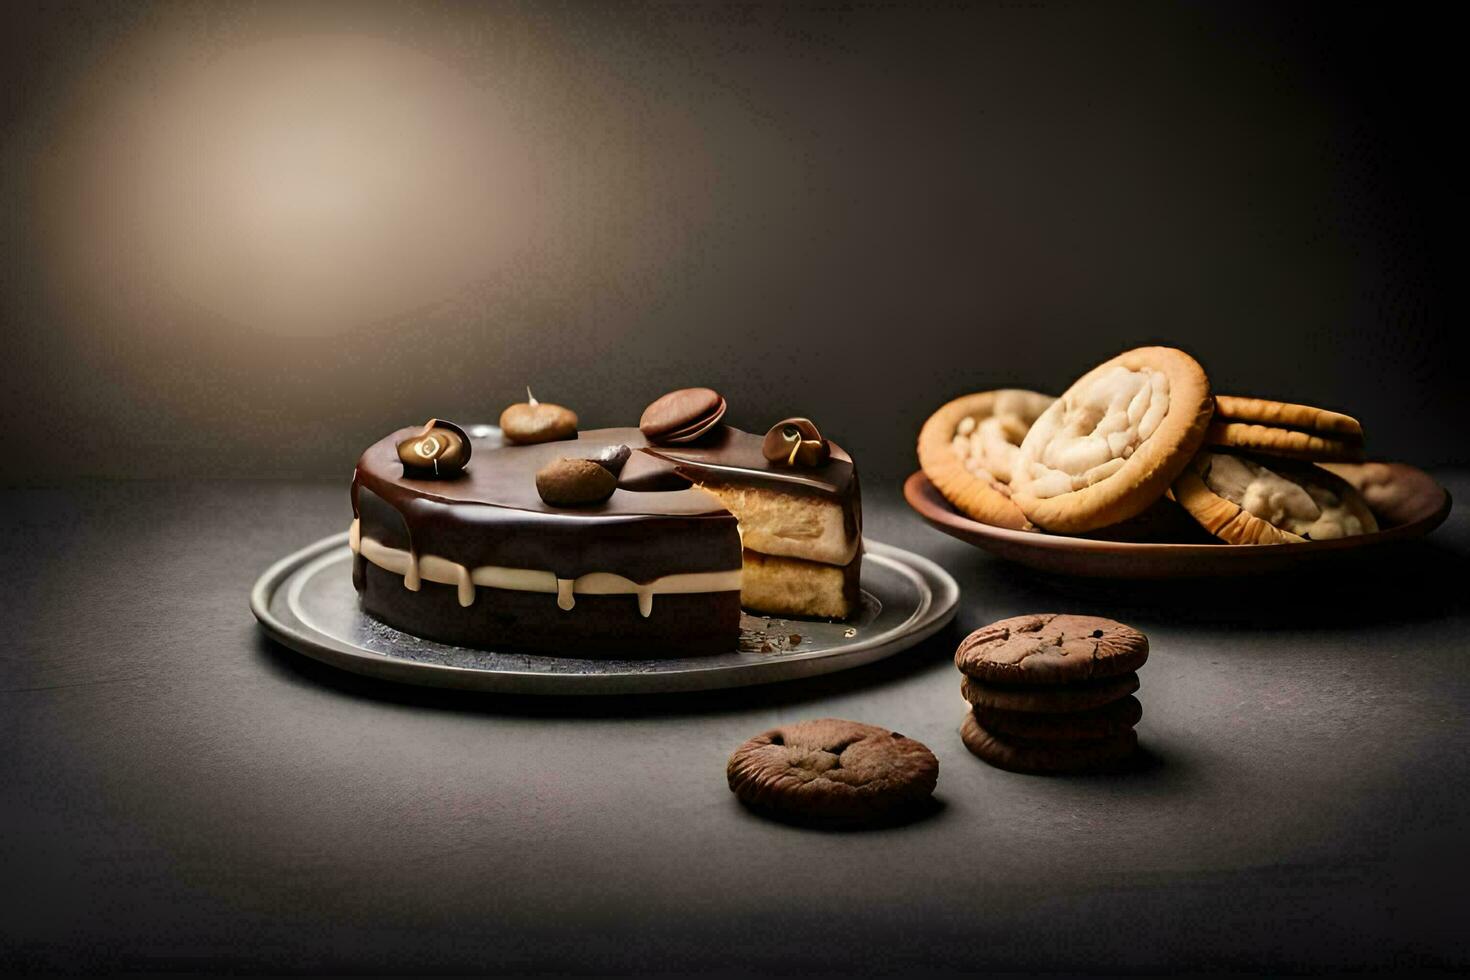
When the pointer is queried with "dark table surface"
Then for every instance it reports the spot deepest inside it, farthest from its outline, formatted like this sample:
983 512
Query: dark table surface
178 792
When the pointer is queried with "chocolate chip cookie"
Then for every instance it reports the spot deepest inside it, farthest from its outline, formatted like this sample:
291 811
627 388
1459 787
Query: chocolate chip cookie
1051 692
1050 649
1030 756
1061 699
832 770
1113 718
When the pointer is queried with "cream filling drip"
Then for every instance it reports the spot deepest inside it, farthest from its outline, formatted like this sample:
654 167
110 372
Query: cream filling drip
417 569
1091 431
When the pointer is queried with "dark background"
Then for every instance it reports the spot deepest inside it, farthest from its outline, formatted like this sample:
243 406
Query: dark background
249 239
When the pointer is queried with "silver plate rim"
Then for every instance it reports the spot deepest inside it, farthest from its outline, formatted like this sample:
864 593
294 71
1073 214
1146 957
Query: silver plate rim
937 589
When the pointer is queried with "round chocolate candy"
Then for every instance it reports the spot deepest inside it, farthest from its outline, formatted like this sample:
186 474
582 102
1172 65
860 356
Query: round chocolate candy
574 482
682 416
529 422
613 458
796 442
439 449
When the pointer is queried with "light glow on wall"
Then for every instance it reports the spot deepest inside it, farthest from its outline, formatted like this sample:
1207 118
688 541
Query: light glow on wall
302 185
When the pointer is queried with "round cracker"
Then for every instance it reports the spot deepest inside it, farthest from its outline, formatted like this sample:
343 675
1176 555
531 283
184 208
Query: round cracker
1149 466
1288 415
981 497
1275 441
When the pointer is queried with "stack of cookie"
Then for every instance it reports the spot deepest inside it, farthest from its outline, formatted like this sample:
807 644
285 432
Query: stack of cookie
1052 693
1140 448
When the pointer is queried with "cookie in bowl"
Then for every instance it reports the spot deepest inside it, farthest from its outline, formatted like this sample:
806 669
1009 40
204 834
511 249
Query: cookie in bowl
1111 445
968 449
1395 492
1284 429
1243 499
1162 522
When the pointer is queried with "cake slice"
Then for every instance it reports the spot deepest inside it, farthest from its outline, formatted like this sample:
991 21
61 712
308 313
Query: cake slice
800 526
796 587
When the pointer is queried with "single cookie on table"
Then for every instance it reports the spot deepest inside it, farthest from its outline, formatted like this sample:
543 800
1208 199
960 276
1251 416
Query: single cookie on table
832 770
1023 756
1110 446
1284 429
1113 718
967 449
1049 649
1244 499
1060 699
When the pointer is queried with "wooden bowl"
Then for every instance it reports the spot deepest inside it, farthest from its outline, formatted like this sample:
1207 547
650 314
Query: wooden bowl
1064 555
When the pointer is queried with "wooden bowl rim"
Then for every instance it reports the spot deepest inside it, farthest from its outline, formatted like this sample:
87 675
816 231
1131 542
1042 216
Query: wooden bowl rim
928 503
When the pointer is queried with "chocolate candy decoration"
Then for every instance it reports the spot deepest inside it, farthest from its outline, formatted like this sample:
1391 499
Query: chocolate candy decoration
439 449
682 416
613 458
529 422
796 442
574 482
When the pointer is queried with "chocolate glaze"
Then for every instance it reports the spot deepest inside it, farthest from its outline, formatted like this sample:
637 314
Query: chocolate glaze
491 514
728 455
644 472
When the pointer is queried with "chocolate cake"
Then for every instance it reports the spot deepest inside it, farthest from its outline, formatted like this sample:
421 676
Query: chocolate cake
454 539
